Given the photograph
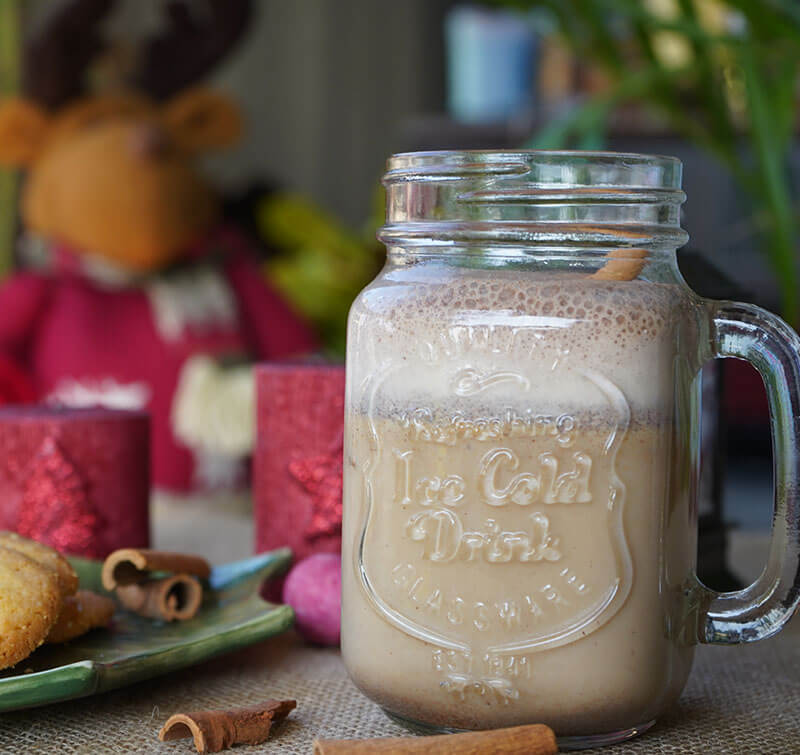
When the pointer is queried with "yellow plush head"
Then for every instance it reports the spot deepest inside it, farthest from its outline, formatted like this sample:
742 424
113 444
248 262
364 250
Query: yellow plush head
113 175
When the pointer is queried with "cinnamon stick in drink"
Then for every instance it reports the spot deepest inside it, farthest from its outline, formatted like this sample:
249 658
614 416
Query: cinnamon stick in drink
622 265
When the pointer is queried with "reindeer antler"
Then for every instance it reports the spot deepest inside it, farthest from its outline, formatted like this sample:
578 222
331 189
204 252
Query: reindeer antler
56 60
198 35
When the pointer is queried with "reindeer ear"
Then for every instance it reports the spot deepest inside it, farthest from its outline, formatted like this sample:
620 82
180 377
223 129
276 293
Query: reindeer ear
23 127
200 119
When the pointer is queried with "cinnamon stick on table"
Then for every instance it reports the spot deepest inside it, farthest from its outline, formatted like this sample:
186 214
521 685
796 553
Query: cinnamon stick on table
130 566
215 730
536 739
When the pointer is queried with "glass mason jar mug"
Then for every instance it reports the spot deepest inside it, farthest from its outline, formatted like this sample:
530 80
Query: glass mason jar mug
521 448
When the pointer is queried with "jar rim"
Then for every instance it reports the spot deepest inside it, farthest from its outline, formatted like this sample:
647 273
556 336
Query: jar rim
534 197
566 168
556 152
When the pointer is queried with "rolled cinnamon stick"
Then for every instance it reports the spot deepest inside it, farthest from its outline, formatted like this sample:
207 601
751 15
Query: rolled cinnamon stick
178 597
536 739
216 730
129 566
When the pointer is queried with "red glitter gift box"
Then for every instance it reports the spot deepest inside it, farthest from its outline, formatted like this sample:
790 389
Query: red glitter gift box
75 479
297 465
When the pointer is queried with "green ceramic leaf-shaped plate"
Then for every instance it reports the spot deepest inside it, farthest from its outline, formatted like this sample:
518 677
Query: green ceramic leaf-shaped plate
134 648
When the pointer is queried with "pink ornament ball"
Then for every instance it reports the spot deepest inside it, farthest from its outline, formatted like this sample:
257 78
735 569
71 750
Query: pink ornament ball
314 590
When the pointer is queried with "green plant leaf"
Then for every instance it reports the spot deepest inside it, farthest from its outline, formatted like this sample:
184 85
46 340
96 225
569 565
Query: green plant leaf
773 181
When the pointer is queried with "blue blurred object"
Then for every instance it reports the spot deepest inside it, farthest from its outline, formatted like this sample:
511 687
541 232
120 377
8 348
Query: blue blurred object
490 64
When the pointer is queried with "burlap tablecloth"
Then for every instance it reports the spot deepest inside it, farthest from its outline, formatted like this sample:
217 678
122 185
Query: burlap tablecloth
739 700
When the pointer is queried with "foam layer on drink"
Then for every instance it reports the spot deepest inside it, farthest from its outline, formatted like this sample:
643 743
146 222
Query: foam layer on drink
486 340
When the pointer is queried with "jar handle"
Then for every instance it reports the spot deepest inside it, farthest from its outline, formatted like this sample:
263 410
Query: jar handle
773 348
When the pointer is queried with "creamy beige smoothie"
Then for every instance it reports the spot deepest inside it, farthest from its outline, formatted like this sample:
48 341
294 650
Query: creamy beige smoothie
517 536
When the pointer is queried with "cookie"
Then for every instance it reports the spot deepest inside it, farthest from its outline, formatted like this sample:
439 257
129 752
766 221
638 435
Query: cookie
79 613
44 555
30 602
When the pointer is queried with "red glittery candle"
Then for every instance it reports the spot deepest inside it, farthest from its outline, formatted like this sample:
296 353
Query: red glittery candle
76 479
297 465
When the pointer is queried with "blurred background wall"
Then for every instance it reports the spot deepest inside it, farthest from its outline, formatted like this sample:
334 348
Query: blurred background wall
325 83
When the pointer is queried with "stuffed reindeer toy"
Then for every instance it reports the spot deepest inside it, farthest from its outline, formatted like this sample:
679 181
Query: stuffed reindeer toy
133 292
